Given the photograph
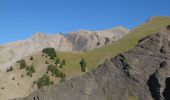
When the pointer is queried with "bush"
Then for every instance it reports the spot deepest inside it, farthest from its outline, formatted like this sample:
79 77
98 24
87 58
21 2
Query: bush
44 81
55 71
61 66
30 70
46 62
31 58
9 69
62 74
22 76
83 65
34 82
13 78
63 62
57 61
22 63
50 52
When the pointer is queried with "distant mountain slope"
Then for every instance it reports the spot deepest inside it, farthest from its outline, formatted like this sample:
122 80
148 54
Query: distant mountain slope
142 73
11 52
88 40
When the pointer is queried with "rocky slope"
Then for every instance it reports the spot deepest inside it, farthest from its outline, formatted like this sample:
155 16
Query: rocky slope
87 40
10 53
141 73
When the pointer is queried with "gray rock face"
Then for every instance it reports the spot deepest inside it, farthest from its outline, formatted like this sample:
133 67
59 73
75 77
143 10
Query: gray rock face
142 73
87 40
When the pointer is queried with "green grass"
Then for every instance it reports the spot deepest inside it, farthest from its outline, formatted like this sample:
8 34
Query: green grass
95 57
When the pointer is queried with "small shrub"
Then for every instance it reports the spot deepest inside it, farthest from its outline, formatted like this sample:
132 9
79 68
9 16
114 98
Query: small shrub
28 67
22 63
83 65
57 61
62 74
22 75
30 70
46 62
11 68
34 82
2 88
44 81
61 66
31 58
63 62
13 78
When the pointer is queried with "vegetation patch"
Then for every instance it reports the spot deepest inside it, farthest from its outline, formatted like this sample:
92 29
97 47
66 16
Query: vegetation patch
30 70
54 70
22 63
50 52
43 81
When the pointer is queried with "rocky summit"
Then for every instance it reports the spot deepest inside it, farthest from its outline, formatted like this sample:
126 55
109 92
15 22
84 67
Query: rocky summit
84 40
142 73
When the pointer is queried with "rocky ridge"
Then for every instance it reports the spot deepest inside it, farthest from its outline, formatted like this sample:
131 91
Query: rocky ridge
142 73
84 40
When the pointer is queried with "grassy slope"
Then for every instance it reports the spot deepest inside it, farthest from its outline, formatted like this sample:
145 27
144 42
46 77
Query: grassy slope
95 57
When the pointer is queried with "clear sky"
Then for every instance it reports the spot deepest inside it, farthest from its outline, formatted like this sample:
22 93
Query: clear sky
19 19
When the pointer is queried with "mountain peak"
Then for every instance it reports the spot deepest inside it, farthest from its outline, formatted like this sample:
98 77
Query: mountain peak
38 35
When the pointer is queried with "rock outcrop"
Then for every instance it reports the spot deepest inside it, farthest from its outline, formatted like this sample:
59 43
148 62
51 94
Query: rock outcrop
87 40
142 73
11 52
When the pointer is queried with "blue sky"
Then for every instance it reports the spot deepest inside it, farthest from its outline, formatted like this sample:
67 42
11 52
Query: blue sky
19 19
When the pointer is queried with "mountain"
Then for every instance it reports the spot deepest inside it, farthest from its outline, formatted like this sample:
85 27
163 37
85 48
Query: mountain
11 52
142 73
17 83
88 40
